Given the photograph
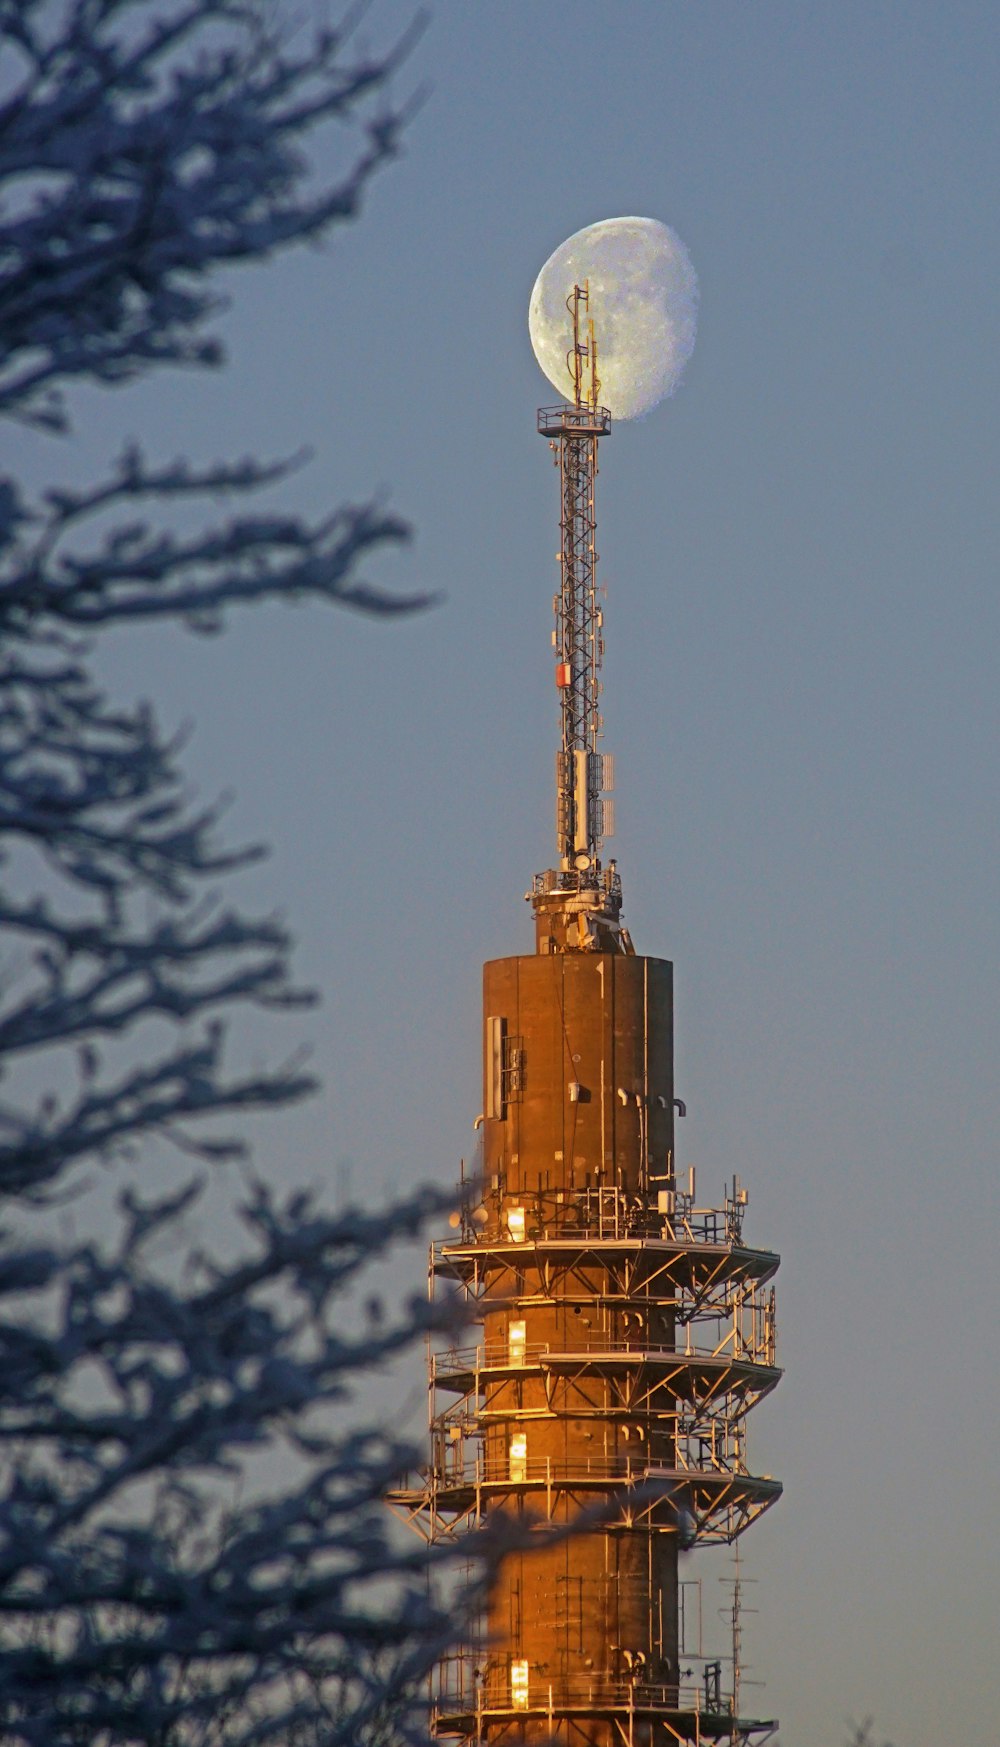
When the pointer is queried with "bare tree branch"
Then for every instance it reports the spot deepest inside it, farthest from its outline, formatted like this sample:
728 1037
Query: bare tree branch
146 172
195 1549
257 1601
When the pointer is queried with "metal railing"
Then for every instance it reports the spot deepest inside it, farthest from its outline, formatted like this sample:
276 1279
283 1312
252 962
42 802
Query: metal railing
605 1214
750 1340
582 421
465 1686
606 880
706 1451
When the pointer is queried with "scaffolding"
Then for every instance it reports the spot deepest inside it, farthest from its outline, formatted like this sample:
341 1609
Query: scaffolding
686 1474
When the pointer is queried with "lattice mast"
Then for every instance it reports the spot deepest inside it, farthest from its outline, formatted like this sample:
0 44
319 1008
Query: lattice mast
589 895
579 639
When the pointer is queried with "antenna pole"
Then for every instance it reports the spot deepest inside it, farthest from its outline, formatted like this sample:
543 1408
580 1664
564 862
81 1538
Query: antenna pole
583 774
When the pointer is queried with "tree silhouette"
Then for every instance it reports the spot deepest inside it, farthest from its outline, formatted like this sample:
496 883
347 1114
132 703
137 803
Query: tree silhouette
193 1542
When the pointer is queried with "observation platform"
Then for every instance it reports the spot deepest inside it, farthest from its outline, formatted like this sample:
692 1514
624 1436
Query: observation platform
693 1249
691 1394
574 421
473 1697
721 1501
707 1372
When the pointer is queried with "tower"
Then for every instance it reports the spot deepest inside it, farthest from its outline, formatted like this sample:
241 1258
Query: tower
625 1332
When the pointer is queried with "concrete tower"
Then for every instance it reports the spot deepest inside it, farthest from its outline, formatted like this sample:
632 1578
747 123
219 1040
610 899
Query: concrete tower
626 1332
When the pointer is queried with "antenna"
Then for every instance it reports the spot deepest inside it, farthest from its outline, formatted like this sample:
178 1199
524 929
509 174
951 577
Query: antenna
583 774
581 359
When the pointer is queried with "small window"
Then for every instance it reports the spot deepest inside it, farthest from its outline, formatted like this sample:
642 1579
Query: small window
515 1338
518 1456
515 1224
519 1686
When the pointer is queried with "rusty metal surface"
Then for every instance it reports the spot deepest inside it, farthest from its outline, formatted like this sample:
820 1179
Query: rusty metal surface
591 1109
626 1334
594 1104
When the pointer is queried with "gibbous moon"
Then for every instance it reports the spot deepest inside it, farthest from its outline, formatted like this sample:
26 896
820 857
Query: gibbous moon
644 304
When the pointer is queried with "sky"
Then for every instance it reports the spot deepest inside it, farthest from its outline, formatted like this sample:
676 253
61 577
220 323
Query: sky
800 550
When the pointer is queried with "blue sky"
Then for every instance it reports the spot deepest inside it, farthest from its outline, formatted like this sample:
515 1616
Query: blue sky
801 557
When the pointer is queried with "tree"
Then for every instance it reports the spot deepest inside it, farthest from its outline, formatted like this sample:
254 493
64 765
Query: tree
156 1585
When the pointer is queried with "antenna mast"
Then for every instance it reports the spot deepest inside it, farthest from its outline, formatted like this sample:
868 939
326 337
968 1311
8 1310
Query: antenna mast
578 904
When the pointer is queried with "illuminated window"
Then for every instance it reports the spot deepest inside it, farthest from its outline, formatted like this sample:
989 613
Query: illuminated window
516 1342
519 1686
519 1457
515 1224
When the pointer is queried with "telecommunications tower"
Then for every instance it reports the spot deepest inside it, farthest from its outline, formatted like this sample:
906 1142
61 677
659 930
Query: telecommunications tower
625 1332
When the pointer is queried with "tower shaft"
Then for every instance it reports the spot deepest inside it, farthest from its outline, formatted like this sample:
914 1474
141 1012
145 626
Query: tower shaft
624 1336
582 1331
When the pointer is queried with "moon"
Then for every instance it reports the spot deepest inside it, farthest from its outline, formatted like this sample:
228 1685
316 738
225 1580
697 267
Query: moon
644 305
